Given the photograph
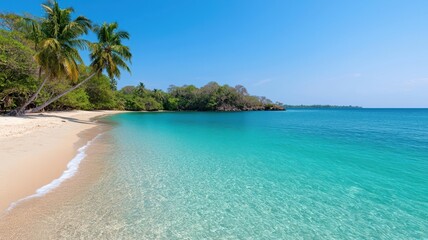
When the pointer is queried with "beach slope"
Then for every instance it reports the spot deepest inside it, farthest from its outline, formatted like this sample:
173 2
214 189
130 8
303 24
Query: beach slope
35 149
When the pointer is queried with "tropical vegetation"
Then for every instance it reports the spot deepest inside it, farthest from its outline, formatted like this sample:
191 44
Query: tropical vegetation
41 68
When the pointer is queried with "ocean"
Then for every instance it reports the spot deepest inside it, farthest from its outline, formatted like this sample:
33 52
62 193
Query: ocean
296 174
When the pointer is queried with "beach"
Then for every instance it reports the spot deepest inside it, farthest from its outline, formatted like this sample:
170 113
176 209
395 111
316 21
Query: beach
35 149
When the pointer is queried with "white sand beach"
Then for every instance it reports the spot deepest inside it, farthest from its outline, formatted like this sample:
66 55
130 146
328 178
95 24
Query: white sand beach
35 149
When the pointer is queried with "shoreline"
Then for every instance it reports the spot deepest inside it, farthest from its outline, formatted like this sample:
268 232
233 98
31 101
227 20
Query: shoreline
36 149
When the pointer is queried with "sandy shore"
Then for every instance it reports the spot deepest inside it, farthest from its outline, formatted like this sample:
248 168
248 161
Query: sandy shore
35 149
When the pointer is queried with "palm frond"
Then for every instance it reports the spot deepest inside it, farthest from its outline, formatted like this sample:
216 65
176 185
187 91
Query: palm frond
109 54
58 53
79 43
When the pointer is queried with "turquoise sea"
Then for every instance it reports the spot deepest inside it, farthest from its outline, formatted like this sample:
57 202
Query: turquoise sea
298 174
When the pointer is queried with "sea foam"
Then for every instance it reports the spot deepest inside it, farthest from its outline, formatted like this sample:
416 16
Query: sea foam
72 168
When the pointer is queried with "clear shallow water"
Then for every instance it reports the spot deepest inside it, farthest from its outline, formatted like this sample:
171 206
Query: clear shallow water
323 174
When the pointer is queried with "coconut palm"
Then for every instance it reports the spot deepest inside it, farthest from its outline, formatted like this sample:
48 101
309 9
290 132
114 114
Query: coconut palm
107 54
58 54
57 41
32 31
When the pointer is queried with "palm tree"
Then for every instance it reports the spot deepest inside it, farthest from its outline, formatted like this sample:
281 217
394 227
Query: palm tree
140 89
32 31
58 54
107 54
57 40
159 95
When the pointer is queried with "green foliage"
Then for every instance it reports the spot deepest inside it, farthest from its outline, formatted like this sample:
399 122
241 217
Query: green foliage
186 96
58 40
127 99
17 70
150 104
101 96
172 103
211 97
77 99
108 53
133 103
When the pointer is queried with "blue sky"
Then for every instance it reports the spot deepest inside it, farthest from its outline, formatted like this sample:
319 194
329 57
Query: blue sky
371 53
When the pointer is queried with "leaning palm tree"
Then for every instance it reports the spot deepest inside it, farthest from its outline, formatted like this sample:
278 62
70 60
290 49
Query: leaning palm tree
32 31
107 54
57 40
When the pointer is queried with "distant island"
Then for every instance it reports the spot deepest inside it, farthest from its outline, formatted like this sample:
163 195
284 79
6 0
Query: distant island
320 106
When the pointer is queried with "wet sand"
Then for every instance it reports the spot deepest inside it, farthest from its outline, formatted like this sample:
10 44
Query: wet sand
46 217
35 149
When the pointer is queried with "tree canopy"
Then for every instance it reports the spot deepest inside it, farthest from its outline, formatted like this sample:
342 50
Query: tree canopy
41 68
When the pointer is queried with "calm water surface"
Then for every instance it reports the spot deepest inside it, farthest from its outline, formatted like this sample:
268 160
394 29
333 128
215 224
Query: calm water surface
309 174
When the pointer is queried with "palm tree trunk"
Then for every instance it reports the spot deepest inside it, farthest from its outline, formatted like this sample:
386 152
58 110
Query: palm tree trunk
21 110
39 108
